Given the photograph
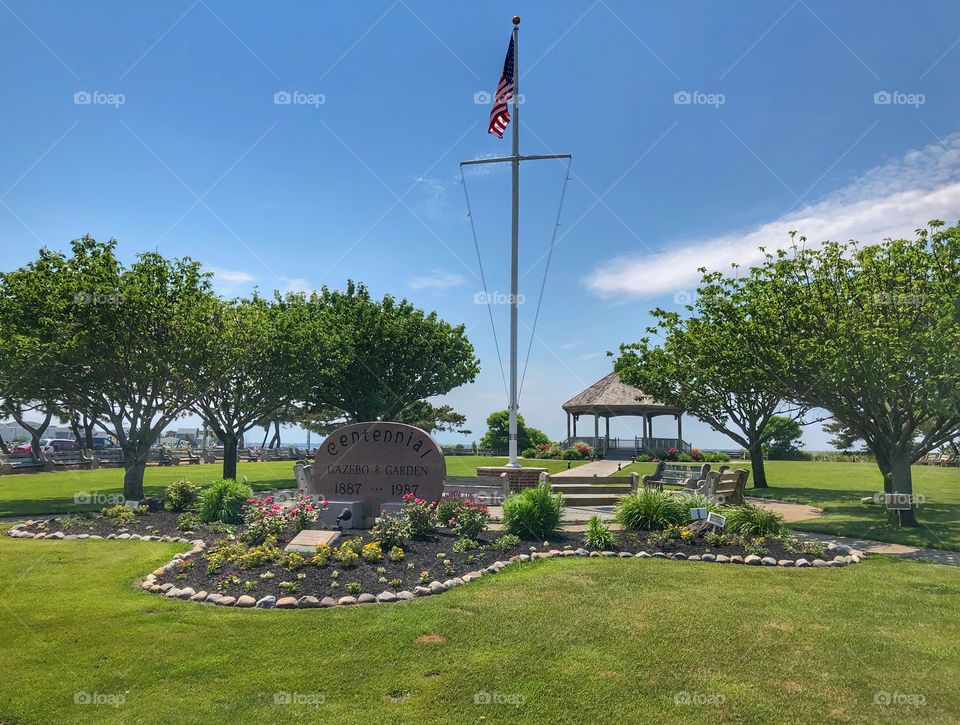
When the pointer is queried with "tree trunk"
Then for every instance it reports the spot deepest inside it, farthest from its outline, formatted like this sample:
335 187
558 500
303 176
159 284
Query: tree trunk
75 429
901 481
266 434
230 456
133 477
35 446
3 446
88 432
756 462
275 441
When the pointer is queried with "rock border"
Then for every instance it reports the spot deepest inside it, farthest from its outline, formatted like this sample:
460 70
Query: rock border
843 555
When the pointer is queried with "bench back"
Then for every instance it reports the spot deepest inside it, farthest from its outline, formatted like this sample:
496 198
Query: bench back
489 491
727 486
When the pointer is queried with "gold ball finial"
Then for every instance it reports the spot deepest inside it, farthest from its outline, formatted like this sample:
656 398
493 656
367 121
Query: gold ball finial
516 19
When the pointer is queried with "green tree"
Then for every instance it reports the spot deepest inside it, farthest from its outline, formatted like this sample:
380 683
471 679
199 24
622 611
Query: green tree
138 339
433 418
869 333
843 438
703 367
785 438
498 433
394 356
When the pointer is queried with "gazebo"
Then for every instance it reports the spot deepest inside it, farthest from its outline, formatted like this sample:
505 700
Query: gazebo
609 398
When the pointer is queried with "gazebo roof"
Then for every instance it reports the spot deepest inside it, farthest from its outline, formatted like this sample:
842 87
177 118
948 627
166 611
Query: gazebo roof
611 397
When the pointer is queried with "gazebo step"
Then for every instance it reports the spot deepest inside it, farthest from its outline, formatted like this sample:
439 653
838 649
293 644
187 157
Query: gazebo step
589 488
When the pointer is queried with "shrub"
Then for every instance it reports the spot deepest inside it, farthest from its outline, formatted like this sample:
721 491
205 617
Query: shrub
305 513
449 503
420 513
571 454
752 520
263 518
181 495
469 520
505 542
396 554
396 583
119 515
650 510
643 458
291 561
188 521
535 512
462 545
266 553
353 588
586 452
372 552
685 458
224 500
288 587
528 453
391 530
347 555
322 556
598 535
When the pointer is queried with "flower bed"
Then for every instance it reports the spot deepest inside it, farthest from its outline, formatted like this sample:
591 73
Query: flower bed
245 565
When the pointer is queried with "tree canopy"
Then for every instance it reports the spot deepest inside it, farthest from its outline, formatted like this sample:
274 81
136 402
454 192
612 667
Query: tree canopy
497 436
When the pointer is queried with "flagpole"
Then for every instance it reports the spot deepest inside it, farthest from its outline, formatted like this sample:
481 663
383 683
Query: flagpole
514 246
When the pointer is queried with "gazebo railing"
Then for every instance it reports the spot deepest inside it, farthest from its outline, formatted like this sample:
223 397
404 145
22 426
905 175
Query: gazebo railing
634 445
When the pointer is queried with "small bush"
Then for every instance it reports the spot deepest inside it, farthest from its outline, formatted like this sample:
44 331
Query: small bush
462 545
528 453
188 521
396 554
181 495
291 561
391 530
449 503
571 454
534 512
651 510
322 556
506 542
469 520
347 556
372 552
224 500
119 515
598 535
353 588
420 513
753 520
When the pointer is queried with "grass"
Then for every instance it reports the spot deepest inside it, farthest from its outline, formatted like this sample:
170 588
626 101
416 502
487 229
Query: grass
818 645
838 487
63 491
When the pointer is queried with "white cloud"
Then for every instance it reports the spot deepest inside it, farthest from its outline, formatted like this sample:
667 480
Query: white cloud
437 280
888 201
569 345
296 284
231 276
591 355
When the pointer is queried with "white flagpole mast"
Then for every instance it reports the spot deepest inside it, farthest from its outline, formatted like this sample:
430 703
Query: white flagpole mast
515 158
514 246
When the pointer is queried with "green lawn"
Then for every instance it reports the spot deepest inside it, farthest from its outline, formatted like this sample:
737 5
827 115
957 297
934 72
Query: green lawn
47 493
570 640
838 487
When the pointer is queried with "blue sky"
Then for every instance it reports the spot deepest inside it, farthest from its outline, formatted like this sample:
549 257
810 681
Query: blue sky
699 131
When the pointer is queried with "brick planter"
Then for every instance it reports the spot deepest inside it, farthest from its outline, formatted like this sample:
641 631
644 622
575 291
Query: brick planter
518 477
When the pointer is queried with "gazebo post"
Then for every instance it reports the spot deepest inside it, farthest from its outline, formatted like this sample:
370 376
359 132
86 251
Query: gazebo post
568 426
680 431
606 446
596 430
575 416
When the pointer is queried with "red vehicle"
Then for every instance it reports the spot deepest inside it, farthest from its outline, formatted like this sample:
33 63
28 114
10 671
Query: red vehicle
22 448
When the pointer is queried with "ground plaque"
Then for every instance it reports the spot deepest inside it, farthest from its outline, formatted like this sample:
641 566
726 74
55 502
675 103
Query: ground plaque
377 463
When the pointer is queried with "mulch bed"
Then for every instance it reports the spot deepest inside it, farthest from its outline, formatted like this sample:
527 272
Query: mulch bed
425 560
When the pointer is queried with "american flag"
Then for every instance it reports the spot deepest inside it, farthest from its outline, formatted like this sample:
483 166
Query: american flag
499 114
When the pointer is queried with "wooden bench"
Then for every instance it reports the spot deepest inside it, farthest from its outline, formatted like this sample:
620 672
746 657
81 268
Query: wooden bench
592 490
726 487
248 455
212 455
108 457
303 472
677 474
186 455
11 463
79 458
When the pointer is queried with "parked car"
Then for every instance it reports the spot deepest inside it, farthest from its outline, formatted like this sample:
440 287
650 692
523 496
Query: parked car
99 443
55 445
22 448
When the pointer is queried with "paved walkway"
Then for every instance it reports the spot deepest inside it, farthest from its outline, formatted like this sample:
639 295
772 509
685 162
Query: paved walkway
595 468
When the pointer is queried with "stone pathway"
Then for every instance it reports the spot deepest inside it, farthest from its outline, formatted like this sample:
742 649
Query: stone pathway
595 468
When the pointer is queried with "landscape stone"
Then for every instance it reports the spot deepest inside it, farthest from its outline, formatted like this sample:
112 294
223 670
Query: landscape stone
346 601
308 602
366 599
166 587
842 549
287 603
608 553
582 552
679 555
768 561
328 602
155 589
736 559
246 602
785 562
267 602
643 555
56 535
492 569
659 555
83 536
226 601
708 557
199 597
524 557
420 591
123 537
109 536
625 555
752 559
171 593
70 537
214 597
595 554
819 563
386 597
836 562
405 595
723 559
186 593
146 586
436 587
694 557
802 563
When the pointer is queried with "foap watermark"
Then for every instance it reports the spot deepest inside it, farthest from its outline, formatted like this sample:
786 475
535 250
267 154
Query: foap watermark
898 98
683 697
698 98
485 98
111 699
906 699
313 699
298 98
97 298
85 498
899 299
496 298
98 98
902 501
498 698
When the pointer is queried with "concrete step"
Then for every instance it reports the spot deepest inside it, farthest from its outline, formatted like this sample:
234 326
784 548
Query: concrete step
591 499
619 455
589 488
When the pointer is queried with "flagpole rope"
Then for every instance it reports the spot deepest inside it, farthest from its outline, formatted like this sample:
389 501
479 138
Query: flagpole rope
546 270
483 279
